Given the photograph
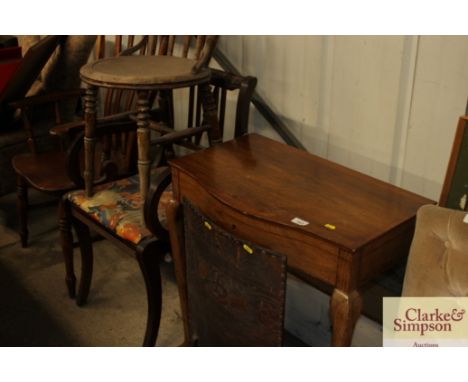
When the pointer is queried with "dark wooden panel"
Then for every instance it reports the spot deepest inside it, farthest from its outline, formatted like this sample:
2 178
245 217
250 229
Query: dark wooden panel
236 290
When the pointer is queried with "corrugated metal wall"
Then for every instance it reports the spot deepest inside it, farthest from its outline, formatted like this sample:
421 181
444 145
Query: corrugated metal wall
383 105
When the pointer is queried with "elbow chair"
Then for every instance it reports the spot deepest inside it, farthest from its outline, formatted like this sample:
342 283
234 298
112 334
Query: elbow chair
116 208
16 107
44 170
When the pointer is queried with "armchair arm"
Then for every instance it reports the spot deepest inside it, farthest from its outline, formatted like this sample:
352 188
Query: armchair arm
153 198
133 49
67 128
176 136
74 153
225 80
55 96
246 86
25 104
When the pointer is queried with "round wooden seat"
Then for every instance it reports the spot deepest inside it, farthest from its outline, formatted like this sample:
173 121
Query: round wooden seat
141 72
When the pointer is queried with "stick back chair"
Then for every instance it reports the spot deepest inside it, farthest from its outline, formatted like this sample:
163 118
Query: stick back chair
118 211
44 171
16 134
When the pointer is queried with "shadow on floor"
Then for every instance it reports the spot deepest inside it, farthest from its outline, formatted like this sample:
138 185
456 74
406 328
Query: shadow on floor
24 321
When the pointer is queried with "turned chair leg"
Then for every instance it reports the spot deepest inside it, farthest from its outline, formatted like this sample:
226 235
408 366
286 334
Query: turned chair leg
86 249
66 240
22 209
148 259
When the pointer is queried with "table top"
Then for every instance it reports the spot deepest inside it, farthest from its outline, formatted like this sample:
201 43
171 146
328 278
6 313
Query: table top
277 183
142 72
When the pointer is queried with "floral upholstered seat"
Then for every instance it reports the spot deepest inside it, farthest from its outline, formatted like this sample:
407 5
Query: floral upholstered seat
117 206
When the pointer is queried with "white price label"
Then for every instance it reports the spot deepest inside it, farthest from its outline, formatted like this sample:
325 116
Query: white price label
299 221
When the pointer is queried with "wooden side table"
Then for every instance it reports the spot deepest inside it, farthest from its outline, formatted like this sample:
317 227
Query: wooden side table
335 225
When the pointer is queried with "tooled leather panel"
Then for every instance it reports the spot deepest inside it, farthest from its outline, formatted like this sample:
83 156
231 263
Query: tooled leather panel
236 290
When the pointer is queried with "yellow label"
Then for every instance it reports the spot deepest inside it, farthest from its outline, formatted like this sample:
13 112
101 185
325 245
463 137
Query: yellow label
247 249
330 226
208 225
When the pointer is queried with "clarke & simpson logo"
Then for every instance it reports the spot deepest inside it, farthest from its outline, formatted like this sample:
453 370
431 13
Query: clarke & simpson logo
425 321
418 321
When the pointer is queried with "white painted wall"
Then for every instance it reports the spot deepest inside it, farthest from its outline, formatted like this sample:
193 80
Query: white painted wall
384 105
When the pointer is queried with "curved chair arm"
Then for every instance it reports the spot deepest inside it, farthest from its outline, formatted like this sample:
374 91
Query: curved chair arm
25 105
74 153
71 127
133 49
55 96
176 136
246 90
206 53
229 80
246 86
161 182
67 128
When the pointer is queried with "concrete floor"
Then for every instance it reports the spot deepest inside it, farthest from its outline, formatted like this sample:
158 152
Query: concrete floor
35 309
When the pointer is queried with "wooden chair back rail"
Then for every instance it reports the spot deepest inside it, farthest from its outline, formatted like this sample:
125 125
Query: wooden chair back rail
106 169
203 47
222 107
113 97
190 106
191 46
225 82
196 47
53 103
29 129
198 114
222 83
171 43
118 48
246 91
116 100
209 44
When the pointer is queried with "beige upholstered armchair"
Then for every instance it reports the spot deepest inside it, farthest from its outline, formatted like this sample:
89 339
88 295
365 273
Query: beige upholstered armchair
438 259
